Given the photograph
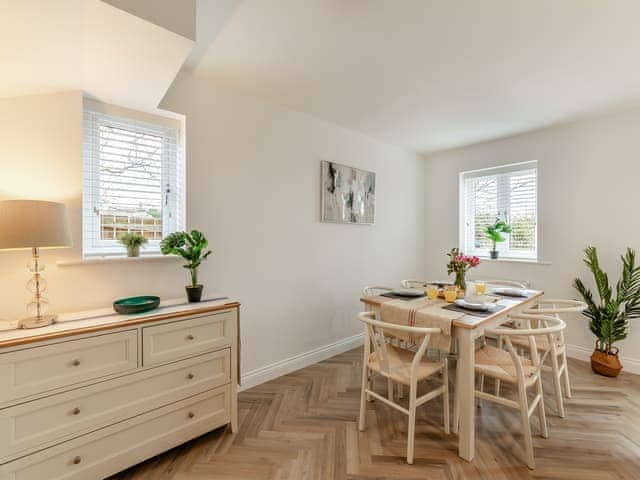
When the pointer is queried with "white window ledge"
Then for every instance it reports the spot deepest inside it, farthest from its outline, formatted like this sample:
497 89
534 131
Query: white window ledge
515 260
110 260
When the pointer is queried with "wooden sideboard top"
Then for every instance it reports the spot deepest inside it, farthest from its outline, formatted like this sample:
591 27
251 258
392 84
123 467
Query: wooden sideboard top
91 321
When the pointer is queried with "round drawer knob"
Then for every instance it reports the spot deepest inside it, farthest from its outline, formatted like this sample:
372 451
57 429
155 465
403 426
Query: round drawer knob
191 376
77 460
190 337
191 414
76 362
76 411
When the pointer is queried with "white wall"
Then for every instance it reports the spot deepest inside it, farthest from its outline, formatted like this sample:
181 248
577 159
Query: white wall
41 158
588 192
254 188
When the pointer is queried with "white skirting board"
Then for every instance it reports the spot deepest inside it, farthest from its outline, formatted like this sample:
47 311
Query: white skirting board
291 364
629 365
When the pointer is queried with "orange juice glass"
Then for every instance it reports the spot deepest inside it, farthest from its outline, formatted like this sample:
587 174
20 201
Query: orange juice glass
450 293
432 292
480 288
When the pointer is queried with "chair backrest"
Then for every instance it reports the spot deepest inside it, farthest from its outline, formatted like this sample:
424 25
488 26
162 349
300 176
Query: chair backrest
373 290
375 332
546 325
501 283
557 307
413 283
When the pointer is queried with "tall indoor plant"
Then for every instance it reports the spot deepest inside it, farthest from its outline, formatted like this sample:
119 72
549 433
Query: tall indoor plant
191 247
609 316
494 232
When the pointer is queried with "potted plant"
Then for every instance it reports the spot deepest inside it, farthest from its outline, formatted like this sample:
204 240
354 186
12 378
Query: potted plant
494 232
133 241
609 317
191 247
460 263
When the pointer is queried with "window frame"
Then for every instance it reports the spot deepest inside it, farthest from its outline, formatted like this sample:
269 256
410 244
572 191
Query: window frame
172 183
464 230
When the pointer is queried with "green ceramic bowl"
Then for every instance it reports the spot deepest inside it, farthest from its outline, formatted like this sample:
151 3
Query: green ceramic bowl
136 304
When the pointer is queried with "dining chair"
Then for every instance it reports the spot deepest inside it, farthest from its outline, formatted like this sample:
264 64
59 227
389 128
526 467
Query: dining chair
413 283
558 350
501 283
403 367
507 366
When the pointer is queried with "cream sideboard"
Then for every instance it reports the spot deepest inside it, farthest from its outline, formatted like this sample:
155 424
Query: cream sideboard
98 392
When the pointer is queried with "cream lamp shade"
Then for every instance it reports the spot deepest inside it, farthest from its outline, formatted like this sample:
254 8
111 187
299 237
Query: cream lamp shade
33 224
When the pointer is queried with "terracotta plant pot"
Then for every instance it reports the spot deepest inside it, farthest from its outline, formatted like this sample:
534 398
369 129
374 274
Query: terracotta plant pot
194 292
606 363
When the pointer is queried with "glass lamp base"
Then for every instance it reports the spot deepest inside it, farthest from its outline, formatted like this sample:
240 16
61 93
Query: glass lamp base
35 322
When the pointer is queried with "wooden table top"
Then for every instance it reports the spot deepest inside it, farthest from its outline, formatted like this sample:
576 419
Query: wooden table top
472 321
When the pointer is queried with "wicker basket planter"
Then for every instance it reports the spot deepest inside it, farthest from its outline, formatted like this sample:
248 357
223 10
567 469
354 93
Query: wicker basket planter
606 363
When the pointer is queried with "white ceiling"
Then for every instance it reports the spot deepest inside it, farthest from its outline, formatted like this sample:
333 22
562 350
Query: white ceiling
433 74
48 46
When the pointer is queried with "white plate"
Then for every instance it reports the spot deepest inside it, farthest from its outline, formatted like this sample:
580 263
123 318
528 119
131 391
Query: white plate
510 292
408 292
480 307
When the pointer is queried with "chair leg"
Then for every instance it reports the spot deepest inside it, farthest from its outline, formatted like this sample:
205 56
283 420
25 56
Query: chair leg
369 386
389 389
542 417
526 426
363 397
555 371
445 397
497 392
456 411
481 389
567 383
411 435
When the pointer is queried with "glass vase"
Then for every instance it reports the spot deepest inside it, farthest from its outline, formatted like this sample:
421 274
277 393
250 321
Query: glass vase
460 281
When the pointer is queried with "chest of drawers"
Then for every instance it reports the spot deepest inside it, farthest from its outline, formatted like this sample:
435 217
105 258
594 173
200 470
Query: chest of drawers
86 399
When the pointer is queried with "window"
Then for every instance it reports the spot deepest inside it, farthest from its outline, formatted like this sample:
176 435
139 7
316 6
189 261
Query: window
133 182
509 193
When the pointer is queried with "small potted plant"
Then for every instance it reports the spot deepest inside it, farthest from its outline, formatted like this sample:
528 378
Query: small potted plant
494 232
192 247
609 317
133 241
460 263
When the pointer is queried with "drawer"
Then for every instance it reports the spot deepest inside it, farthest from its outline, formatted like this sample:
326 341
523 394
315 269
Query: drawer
183 338
110 450
42 368
59 417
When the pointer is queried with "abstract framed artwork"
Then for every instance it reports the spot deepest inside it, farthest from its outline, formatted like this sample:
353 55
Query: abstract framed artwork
348 194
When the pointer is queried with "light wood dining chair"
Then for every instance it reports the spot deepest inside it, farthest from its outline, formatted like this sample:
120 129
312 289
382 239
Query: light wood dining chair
403 367
557 350
371 291
493 283
507 366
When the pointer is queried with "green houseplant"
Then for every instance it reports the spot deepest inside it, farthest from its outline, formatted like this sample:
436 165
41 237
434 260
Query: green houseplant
133 241
494 232
192 247
609 316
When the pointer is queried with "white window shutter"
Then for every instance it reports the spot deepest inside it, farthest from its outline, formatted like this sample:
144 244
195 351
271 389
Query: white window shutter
509 193
133 182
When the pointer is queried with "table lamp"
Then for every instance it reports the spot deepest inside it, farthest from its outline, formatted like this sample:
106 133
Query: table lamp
34 224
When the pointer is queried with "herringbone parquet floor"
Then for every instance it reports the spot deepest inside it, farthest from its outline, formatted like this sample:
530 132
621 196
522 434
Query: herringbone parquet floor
303 426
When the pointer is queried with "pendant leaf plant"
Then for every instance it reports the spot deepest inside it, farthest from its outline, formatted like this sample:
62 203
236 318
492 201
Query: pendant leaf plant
609 315
190 246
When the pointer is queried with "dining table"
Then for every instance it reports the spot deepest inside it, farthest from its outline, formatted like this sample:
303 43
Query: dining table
465 329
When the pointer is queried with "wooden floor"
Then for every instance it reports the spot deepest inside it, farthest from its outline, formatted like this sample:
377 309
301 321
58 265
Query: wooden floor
303 426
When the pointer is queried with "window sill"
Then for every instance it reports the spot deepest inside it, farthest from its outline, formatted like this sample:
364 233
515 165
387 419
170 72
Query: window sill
515 260
110 260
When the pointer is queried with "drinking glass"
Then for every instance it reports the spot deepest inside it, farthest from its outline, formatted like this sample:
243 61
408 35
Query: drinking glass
432 292
451 293
480 288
